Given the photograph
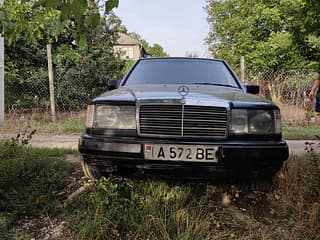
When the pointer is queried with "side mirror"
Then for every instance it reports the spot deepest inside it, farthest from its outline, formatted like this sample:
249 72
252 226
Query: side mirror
113 84
253 89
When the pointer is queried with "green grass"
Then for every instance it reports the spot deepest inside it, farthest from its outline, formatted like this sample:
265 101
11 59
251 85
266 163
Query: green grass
119 208
68 125
301 133
65 126
153 209
29 179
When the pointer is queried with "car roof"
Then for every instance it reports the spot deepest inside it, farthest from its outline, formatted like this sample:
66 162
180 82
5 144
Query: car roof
178 58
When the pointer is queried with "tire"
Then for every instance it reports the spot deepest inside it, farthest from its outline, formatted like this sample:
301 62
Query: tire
89 171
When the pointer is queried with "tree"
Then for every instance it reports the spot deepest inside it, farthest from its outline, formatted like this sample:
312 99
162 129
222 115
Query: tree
155 50
21 21
263 33
192 54
82 67
83 71
17 17
306 30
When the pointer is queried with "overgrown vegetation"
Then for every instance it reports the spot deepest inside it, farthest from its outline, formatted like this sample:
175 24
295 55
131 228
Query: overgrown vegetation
272 35
29 180
131 209
83 54
36 191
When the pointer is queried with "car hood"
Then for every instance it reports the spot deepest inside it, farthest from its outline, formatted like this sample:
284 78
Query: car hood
198 94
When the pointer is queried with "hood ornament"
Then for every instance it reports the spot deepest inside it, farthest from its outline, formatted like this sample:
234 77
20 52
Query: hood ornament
183 91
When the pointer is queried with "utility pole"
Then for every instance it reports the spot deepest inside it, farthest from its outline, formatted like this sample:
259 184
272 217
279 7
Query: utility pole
51 86
1 75
242 69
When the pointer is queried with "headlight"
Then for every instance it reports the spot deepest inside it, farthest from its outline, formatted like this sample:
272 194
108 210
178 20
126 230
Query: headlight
115 117
251 121
90 114
239 122
277 126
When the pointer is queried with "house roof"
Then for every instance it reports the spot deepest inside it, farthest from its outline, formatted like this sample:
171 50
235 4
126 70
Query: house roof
125 39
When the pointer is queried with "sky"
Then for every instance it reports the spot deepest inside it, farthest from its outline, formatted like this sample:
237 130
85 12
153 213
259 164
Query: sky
179 26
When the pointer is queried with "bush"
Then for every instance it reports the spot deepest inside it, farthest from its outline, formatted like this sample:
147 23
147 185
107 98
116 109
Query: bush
85 77
81 71
26 77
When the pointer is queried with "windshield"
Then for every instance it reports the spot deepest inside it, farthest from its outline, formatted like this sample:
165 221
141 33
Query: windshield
181 71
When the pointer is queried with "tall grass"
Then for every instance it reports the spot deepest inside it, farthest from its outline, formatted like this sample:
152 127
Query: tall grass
299 196
29 179
118 208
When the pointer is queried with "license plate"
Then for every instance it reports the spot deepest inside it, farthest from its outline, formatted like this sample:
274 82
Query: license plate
192 153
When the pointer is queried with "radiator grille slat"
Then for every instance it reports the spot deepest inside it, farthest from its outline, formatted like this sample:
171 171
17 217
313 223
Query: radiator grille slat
183 121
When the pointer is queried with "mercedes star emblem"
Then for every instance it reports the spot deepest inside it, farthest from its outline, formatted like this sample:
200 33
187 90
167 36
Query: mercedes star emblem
183 91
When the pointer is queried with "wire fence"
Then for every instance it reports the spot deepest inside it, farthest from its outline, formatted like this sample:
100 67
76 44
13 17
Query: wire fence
34 97
287 88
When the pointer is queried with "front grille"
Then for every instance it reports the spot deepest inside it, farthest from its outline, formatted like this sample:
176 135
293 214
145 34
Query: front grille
183 121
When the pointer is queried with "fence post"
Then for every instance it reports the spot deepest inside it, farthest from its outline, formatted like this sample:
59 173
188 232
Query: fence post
1 75
242 69
51 86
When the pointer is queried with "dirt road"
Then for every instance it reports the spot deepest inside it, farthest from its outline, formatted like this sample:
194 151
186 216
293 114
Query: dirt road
296 147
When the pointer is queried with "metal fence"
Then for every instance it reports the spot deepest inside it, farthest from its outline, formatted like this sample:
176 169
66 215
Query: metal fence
287 88
33 97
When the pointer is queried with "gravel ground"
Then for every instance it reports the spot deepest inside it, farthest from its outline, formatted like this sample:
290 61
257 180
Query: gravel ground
296 147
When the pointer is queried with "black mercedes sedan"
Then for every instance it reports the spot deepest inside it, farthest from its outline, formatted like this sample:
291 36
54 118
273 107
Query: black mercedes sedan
182 118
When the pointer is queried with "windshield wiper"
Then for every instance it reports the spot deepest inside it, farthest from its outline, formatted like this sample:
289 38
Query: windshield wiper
215 84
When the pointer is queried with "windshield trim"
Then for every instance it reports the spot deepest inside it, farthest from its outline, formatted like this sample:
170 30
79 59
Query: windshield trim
165 59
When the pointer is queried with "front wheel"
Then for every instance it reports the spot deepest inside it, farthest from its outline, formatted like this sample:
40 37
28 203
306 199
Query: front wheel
89 171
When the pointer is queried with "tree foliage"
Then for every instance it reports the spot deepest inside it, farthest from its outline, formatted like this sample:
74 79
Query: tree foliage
155 50
37 19
21 21
192 54
81 70
306 30
268 33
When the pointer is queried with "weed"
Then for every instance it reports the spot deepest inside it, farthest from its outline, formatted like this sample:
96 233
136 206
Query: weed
120 208
309 113
10 147
299 192
28 181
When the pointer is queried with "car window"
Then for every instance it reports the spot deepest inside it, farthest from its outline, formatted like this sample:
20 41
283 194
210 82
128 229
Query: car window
181 71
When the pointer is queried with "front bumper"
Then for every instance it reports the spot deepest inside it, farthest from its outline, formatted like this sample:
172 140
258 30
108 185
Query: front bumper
245 159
